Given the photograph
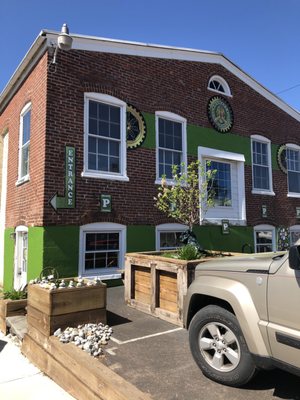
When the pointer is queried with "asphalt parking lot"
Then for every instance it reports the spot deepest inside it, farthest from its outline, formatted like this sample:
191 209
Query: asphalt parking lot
154 356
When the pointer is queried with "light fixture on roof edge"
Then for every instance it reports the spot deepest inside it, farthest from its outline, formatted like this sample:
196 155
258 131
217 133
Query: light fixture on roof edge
64 41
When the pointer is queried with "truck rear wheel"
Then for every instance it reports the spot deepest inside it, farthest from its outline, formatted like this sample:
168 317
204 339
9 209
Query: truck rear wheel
219 348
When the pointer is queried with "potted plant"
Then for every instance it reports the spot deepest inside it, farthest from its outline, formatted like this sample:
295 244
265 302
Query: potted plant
12 302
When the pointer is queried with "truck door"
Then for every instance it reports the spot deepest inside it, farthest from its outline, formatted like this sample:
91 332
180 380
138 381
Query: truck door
283 300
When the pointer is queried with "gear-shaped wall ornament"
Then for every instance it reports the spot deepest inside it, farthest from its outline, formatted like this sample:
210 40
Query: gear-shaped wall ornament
281 158
220 114
135 127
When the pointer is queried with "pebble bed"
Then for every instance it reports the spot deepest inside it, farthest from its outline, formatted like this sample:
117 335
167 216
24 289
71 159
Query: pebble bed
88 337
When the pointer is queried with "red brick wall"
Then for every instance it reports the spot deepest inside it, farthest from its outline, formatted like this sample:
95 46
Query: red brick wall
25 202
150 85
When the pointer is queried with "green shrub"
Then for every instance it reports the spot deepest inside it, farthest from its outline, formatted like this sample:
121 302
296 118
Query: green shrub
188 252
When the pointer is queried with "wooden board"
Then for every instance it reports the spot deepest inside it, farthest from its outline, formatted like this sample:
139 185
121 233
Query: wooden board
10 308
142 284
64 301
78 373
48 324
167 282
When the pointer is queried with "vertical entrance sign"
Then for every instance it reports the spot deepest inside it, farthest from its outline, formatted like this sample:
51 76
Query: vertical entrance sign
67 201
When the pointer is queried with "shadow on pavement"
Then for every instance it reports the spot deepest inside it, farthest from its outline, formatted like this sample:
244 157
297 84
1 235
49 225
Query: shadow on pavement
2 344
286 386
115 319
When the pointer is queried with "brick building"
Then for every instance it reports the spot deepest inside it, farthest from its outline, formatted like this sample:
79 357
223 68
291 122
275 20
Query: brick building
85 139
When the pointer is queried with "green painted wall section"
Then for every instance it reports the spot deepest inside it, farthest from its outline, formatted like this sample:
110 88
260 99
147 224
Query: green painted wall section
61 249
9 250
211 238
208 137
35 252
140 238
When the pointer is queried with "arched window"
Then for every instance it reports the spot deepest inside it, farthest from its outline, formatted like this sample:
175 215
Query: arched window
219 85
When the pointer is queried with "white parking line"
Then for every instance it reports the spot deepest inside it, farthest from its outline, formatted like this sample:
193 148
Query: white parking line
120 342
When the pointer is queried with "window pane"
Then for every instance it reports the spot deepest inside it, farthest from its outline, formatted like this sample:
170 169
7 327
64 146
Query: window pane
114 148
93 113
103 146
24 160
170 240
103 112
92 162
93 126
113 241
293 165
89 261
221 183
102 163
264 241
114 164
114 131
115 114
103 128
100 260
112 260
26 127
101 241
90 241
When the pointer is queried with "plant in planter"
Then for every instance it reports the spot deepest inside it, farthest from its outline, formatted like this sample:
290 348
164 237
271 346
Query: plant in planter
190 195
13 302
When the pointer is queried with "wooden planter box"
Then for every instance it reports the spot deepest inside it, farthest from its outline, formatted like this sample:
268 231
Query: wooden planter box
157 285
49 310
10 308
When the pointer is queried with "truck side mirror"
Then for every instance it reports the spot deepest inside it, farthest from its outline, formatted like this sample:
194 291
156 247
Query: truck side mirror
294 257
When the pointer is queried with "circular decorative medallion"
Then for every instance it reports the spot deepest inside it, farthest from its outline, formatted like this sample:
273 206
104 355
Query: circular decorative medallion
135 126
220 114
281 158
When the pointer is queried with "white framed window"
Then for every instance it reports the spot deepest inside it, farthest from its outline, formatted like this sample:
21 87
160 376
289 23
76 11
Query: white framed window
170 143
261 165
264 238
24 144
294 234
293 169
228 184
168 236
102 249
218 84
104 137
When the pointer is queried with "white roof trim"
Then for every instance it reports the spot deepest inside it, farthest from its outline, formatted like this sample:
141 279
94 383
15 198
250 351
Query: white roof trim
92 43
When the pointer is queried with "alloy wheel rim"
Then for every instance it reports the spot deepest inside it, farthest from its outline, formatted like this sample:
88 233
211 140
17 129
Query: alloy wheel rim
219 347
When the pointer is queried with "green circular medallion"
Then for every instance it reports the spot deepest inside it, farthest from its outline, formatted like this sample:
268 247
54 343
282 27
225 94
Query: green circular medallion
220 114
281 158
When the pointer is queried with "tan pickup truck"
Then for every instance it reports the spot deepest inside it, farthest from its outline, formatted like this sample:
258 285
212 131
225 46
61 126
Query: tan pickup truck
243 314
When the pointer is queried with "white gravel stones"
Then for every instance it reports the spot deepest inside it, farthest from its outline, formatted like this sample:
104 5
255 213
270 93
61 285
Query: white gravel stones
88 337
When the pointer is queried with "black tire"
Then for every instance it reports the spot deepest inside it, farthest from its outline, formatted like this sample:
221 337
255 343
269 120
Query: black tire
222 353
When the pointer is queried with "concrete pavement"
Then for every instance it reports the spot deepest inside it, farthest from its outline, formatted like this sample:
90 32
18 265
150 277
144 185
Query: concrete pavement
21 380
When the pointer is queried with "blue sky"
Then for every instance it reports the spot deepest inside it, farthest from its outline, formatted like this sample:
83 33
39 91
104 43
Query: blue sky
261 36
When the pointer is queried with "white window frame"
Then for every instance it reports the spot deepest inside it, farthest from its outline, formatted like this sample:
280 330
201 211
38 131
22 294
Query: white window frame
294 228
265 227
24 178
175 118
222 82
220 155
113 101
102 227
167 228
295 147
262 139
21 229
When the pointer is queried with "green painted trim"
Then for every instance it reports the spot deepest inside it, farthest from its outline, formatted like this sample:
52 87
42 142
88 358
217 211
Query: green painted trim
35 252
150 140
9 251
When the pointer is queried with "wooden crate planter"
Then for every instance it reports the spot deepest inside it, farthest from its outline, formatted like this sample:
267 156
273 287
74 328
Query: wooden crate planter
156 284
10 308
49 310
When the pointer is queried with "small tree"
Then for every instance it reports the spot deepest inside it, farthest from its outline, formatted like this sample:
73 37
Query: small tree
186 198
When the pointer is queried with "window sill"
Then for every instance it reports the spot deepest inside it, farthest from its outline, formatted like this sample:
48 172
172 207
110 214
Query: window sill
22 180
218 221
102 176
295 195
262 192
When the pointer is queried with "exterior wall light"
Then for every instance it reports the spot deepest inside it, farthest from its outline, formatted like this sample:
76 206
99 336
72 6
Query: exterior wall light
64 41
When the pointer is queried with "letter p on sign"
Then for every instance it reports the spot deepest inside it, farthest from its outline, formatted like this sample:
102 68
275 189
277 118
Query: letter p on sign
105 202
